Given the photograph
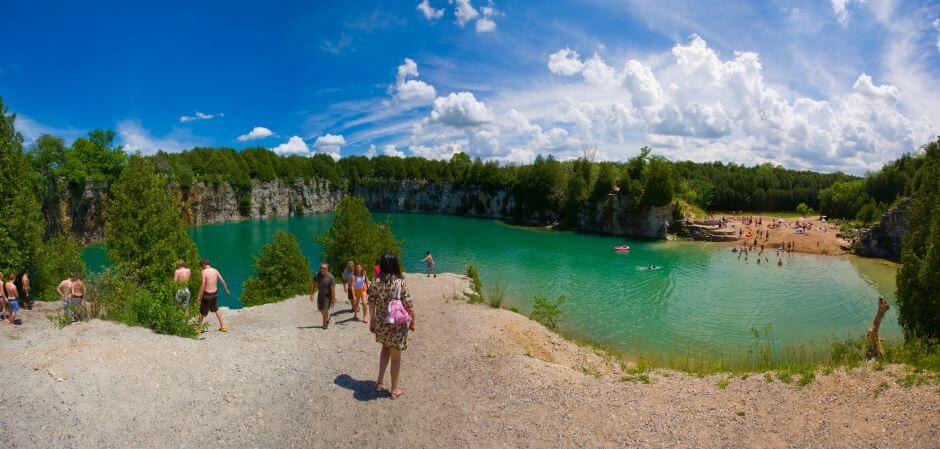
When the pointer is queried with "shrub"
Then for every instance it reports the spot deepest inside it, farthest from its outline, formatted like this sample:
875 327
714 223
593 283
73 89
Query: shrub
474 276
495 293
547 312
280 271
802 209
354 236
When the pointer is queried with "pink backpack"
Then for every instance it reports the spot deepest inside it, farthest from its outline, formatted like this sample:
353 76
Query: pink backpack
396 310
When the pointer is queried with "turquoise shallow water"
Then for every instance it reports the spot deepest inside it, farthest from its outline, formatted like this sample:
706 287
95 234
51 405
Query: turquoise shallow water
701 295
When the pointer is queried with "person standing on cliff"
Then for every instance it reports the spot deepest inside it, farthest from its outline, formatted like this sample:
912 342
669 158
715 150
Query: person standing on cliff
324 286
181 277
209 295
64 289
429 259
12 298
24 284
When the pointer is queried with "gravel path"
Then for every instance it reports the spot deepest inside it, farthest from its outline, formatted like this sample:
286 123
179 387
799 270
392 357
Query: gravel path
473 377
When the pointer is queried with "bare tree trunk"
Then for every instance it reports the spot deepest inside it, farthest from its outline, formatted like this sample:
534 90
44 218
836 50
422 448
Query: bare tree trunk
875 349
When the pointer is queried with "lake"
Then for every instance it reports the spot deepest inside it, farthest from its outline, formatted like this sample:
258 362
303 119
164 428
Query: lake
700 295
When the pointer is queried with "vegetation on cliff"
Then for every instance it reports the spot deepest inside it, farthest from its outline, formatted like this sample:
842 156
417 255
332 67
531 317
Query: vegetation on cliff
867 199
280 271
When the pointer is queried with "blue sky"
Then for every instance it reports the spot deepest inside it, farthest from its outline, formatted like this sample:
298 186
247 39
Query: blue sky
826 85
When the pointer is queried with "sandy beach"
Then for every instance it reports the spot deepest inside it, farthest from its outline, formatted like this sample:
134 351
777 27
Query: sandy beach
473 377
821 238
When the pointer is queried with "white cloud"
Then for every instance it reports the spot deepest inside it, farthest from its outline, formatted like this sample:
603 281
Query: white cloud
136 138
429 11
486 23
294 146
465 12
440 152
389 150
885 92
200 116
329 144
31 130
565 62
597 72
460 110
258 132
409 91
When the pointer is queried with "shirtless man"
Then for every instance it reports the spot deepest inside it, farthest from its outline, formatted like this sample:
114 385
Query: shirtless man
429 259
24 282
13 303
209 295
181 277
65 292
77 291
3 299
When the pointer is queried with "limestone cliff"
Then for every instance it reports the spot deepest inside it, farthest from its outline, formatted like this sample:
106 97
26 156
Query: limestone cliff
884 238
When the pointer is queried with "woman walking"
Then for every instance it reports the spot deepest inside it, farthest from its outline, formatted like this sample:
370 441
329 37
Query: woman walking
360 283
393 337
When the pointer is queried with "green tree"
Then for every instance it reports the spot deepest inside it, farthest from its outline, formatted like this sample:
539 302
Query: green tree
22 222
802 209
659 183
144 233
354 236
280 271
918 278
547 312
843 199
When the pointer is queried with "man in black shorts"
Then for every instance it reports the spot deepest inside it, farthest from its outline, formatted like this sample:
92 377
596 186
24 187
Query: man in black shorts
325 287
209 295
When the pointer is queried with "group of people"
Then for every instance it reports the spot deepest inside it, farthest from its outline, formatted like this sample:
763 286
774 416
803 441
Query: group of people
372 298
10 296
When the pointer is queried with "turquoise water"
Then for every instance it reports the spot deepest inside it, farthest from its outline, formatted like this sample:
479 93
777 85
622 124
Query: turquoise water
701 295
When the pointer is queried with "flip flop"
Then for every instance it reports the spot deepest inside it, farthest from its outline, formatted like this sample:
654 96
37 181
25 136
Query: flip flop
396 394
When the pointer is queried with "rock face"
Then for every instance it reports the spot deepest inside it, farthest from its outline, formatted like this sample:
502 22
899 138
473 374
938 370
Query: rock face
884 238
81 219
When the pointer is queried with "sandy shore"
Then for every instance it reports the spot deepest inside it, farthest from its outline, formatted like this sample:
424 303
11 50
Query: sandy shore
473 377
821 239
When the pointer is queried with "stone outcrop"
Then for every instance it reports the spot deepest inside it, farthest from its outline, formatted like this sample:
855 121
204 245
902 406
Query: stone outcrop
884 239
81 218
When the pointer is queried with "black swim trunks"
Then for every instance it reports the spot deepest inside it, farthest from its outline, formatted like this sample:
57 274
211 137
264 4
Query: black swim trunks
209 303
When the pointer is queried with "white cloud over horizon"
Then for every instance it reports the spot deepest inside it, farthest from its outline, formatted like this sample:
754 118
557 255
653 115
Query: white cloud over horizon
135 138
200 116
258 132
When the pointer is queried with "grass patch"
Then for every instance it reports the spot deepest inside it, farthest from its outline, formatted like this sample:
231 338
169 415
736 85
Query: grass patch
913 380
806 378
723 383
495 293
881 388
639 378
739 413
768 377
785 376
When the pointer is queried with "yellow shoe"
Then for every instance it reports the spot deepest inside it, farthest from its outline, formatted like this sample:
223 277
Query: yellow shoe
198 332
223 329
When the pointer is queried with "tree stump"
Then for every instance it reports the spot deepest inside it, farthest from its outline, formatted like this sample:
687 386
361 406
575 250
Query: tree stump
875 349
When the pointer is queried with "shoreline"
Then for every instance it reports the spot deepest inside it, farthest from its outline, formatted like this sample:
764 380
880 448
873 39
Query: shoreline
474 376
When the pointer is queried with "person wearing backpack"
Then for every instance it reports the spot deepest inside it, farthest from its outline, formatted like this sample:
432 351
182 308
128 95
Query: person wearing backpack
392 314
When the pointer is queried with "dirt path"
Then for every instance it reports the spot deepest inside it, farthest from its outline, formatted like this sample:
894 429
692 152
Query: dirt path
473 376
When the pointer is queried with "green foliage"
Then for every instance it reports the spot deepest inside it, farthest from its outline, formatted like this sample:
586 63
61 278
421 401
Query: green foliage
474 276
54 261
843 199
659 184
918 279
547 312
354 236
22 222
495 294
144 234
122 298
802 209
723 384
870 213
280 271
539 189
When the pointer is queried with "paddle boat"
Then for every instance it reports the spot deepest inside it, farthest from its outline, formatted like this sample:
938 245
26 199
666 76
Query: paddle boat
621 248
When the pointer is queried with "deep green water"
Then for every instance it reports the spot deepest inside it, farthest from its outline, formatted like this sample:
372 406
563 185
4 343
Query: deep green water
702 295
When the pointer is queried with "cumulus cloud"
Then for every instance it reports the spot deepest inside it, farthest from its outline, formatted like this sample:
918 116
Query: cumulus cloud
329 144
200 116
885 92
565 62
486 23
389 150
294 146
258 132
411 91
429 11
460 110
465 12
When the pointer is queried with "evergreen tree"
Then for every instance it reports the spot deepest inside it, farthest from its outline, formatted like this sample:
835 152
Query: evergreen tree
22 222
280 271
144 233
354 236
918 279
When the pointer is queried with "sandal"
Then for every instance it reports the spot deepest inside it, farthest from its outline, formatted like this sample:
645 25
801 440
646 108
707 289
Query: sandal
397 393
